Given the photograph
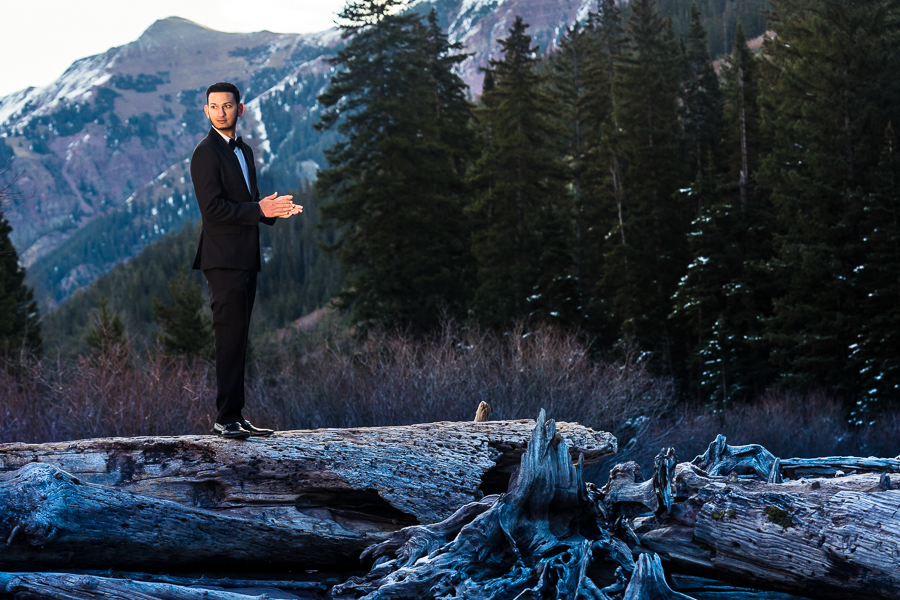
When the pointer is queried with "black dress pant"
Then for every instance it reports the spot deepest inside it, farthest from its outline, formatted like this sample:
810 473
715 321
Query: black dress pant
231 296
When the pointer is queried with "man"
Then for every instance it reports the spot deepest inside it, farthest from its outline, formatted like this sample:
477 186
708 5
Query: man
224 177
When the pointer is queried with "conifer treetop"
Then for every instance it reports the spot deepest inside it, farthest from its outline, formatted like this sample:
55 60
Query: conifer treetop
360 13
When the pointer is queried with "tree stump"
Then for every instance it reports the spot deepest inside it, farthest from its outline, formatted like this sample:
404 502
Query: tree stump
538 540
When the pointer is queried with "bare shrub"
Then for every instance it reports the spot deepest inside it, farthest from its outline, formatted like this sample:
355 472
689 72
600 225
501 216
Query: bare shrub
110 393
786 424
22 408
393 379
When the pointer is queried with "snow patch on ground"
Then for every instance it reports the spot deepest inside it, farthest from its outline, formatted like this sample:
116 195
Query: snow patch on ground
262 135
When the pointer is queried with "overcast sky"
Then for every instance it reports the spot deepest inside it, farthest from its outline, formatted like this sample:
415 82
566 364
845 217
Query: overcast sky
41 38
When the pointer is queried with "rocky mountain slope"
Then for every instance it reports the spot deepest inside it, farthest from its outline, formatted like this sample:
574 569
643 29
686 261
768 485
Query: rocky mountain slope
101 154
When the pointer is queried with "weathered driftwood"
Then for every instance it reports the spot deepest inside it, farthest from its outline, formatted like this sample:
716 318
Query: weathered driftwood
538 540
752 459
828 466
663 473
702 588
66 586
303 499
322 584
825 538
648 582
483 413
368 480
56 521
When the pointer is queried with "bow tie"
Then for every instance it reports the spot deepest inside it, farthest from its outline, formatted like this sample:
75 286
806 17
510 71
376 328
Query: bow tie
239 143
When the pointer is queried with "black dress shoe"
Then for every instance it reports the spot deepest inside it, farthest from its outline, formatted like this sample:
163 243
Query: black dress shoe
231 430
254 431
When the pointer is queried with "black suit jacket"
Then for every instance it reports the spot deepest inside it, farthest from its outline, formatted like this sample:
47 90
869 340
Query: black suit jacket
229 237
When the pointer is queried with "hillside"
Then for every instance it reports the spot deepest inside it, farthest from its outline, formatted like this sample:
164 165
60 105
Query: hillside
299 277
100 153
103 149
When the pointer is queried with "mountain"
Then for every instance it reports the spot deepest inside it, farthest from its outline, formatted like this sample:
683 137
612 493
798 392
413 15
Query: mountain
101 155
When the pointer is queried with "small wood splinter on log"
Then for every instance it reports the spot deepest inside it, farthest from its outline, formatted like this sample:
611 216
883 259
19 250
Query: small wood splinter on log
538 540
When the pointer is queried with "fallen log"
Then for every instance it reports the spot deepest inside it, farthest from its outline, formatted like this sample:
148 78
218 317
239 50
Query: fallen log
369 480
311 580
296 500
829 466
822 538
701 588
737 535
57 521
66 586
723 517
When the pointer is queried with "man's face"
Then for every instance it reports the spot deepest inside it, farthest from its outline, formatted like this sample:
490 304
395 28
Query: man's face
223 111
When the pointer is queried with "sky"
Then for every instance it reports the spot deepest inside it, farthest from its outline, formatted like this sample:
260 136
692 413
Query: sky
41 38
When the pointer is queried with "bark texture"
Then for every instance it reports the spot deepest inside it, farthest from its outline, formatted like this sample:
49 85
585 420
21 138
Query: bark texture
296 500
369 480
822 538
64 586
538 540
57 521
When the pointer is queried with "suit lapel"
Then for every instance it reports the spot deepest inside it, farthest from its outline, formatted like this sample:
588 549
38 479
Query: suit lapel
232 158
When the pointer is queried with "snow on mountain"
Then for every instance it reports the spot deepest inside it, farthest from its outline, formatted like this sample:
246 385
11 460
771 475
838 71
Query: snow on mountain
18 109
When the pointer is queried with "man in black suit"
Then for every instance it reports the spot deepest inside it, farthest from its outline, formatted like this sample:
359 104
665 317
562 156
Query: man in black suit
224 177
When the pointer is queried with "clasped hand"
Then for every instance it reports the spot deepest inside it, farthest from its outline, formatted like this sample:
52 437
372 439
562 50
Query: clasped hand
280 206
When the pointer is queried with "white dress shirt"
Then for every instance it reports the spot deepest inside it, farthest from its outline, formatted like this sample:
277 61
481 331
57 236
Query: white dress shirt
241 160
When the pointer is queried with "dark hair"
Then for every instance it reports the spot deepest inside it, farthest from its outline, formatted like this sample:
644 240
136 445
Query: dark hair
223 86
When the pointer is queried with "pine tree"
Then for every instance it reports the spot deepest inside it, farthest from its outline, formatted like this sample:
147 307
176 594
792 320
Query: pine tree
185 329
579 81
742 135
879 280
831 86
394 184
520 208
20 328
604 171
361 13
107 336
725 294
644 261
701 99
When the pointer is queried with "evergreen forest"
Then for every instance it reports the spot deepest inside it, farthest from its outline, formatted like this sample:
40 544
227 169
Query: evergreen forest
737 222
